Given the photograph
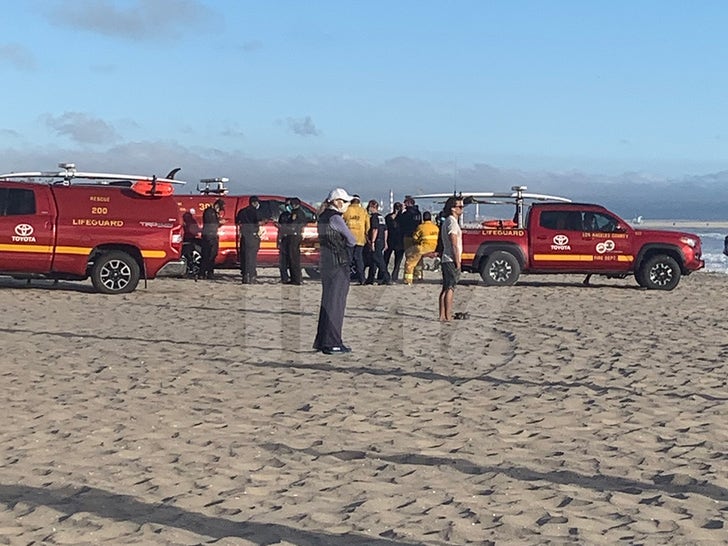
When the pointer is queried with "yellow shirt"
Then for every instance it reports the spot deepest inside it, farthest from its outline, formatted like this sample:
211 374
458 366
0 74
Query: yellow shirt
425 237
357 220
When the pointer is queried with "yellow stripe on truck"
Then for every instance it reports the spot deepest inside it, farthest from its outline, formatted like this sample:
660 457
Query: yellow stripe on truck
563 257
35 249
154 254
72 250
575 258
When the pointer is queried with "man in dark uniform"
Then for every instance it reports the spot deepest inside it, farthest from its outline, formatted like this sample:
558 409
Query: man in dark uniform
376 241
290 233
395 241
248 220
409 221
210 239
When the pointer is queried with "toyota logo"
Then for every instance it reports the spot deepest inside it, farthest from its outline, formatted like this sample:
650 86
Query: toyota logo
23 230
561 240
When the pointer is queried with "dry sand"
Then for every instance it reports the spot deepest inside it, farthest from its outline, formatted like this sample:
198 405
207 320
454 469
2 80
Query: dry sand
196 413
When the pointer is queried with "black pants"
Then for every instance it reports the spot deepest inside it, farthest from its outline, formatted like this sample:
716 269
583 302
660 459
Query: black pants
290 259
398 255
377 267
358 260
209 253
334 290
248 253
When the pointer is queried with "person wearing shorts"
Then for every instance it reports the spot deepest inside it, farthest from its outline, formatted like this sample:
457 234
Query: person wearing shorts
451 239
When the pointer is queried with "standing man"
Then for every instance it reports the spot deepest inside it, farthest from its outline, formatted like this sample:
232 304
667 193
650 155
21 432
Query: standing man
357 220
451 239
290 233
248 220
336 241
377 242
409 220
210 239
283 231
395 240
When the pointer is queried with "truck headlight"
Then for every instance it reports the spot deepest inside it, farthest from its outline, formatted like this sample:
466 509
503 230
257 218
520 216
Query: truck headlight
689 241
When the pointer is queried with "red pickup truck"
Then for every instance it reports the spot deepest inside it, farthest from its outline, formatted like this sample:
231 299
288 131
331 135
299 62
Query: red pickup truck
192 206
114 229
563 237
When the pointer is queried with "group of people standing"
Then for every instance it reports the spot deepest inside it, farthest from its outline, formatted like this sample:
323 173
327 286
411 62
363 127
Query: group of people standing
249 221
403 234
339 241
349 236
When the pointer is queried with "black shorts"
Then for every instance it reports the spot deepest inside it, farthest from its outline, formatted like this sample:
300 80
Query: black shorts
450 275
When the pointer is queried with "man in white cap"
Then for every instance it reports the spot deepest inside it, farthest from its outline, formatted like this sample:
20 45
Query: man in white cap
337 242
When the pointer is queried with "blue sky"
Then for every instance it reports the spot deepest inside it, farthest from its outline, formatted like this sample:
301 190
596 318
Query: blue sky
301 96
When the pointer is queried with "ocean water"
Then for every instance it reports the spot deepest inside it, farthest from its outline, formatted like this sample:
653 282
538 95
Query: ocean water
712 240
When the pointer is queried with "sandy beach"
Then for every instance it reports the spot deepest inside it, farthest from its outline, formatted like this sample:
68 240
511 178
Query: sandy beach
197 413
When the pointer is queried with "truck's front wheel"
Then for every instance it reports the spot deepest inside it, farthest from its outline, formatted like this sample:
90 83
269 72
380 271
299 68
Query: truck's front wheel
115 272
660 272
501 268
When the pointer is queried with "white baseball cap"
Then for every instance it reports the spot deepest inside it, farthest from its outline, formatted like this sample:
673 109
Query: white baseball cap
339 193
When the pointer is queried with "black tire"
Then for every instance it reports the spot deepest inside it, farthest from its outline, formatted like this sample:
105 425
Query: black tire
115 272
313 272
193 257
659 272
501 268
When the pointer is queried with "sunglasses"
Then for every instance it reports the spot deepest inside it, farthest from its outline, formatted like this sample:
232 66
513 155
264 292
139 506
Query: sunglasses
458 206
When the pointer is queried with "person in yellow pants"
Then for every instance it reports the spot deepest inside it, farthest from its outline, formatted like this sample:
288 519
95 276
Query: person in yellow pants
424 241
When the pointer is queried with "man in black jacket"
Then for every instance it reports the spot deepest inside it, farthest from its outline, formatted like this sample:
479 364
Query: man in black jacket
290 233
210 239
248 220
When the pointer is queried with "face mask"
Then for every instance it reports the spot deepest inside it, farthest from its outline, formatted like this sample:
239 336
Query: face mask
256 205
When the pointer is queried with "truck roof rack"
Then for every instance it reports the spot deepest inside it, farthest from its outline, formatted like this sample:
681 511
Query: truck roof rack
516 196
142 184
213 186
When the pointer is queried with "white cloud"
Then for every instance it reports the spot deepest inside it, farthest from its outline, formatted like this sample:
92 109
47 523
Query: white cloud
18 56
143 19
81 128
303 126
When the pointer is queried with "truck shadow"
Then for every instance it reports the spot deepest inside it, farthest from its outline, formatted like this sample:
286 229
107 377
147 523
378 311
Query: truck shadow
577 284
45 284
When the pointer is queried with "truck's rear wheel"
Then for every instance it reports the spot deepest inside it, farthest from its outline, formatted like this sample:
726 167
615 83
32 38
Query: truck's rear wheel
501 268
660 272
193 258
115 272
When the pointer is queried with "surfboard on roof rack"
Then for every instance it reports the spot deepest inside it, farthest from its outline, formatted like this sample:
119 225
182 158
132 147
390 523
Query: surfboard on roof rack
141 184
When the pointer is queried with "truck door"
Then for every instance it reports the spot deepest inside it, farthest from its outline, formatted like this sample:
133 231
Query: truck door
608 240
27 227
558 243
580 240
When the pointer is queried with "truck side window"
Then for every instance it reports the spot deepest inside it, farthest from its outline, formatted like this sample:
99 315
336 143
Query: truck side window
270 209
553 219
16 201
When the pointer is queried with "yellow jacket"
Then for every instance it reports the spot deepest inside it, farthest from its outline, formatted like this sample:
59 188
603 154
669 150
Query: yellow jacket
425 237
357 220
